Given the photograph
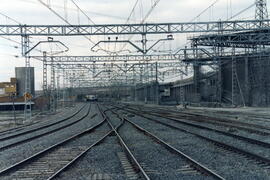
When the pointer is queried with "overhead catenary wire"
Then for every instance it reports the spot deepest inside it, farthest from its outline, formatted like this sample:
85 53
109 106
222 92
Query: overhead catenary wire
17 22
201 13
242 11
154 4
89 12
83 12
9 39
62 18
132 11
6 16
231 18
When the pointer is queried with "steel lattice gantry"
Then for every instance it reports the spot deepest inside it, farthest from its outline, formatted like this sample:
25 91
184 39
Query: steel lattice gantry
249 39
118 58
25 31
179 56
125 29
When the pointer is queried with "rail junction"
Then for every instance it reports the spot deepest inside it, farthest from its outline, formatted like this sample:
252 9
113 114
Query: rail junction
132 110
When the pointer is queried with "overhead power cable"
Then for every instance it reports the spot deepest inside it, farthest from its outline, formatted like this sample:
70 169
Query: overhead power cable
144 19
9 18
9 39
209 7
232 17
150 11
4 15
237 14
89 12
63 19
83 12
132 11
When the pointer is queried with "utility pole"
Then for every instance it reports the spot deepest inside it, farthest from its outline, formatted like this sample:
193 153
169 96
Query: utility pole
45 79
27 94
157 85
52 97
261 10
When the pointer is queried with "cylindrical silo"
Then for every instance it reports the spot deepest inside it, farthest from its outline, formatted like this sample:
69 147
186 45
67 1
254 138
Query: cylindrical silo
21 78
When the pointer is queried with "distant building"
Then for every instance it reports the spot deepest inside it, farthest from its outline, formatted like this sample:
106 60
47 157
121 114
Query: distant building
13 92
8 88
21 78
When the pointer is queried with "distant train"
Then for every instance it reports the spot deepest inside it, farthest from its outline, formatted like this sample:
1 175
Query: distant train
91 98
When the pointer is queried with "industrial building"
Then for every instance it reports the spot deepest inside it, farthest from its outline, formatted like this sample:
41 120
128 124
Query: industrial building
21 74
14 90
8 88
162 99
244 83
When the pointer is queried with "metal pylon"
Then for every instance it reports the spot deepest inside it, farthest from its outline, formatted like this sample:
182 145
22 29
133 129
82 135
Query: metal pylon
45 78
236 86
58 87
27 94
261 10
52 95
182 94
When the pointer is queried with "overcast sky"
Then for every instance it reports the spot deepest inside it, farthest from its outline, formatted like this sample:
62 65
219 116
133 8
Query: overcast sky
106 12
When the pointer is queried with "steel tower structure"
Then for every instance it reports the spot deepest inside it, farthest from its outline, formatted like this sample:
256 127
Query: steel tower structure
261 10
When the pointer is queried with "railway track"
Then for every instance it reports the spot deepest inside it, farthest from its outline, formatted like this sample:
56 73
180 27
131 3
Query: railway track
50 162
58 158
140 171
15 140
189 168
8 134
198 126
262 161
248 127
53 161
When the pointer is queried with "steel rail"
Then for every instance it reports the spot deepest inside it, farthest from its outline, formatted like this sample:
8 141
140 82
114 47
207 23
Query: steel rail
44 133
198 166
243 138
122 142
219 119
239 125
56 174
237 150
47 150
7 131
40 127
216 122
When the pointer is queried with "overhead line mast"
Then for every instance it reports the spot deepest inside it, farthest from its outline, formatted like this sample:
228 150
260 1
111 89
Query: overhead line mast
261 10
